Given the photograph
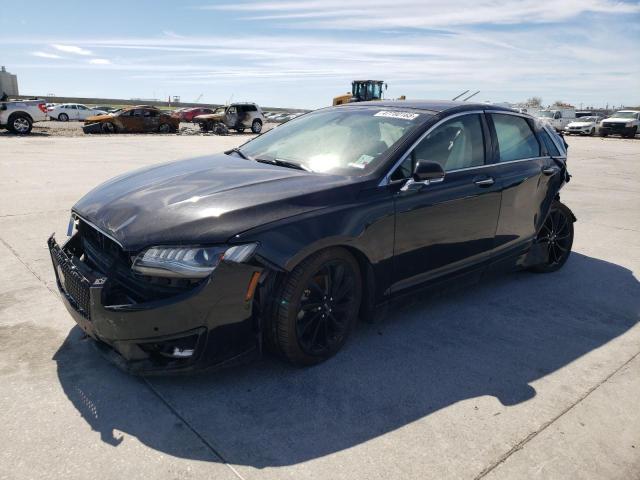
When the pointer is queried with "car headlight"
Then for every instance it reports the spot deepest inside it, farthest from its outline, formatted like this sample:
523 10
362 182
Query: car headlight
629 124
188 262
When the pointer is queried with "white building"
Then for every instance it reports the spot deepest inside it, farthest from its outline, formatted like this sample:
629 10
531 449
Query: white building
8 83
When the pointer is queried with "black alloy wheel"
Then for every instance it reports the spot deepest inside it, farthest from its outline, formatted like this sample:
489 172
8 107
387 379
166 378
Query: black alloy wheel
318 307
557 235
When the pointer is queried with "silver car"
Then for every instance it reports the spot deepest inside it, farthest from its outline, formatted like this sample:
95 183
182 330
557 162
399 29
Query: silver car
237 116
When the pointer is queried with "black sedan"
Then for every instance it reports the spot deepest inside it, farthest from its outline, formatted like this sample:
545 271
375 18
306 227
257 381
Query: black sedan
286 241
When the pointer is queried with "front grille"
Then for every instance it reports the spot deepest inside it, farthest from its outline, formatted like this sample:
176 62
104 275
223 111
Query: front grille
614 125
75 285
101 250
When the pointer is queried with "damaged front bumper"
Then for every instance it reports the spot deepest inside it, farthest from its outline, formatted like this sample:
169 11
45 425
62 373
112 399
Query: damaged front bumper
209 326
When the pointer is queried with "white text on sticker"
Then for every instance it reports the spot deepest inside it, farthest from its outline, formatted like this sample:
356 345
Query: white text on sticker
402 115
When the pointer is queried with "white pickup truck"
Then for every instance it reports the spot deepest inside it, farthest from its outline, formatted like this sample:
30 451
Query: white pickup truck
18 116
558 118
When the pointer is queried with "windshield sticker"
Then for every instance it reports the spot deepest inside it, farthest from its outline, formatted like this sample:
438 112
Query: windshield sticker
401 115
362 162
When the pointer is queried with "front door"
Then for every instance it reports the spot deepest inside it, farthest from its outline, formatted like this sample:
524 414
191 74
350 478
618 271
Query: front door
231 117
448 225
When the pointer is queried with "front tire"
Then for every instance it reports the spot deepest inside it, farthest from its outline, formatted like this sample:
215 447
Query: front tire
317 307
592 132
63 117
557 235
164 128
632 133
108 127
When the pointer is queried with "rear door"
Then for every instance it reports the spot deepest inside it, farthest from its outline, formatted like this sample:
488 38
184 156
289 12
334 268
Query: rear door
446 226
72 111
524 170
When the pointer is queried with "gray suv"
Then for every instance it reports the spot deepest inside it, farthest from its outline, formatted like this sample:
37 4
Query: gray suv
237 116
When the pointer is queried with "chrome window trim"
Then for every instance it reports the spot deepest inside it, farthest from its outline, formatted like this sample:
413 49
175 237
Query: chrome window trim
484 166
386 180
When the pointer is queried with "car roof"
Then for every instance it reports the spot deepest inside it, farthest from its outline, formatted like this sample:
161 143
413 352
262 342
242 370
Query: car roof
436 106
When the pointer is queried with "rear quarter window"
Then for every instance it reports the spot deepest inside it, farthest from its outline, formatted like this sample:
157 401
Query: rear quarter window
516 140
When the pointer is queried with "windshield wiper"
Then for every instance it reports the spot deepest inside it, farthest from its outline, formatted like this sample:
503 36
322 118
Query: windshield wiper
239 152
284 163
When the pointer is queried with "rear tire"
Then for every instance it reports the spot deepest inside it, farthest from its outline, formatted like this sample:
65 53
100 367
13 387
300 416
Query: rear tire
316 307
63 117
557 234
164 128
256 126
20 124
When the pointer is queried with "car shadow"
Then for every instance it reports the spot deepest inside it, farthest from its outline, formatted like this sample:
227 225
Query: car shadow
430 352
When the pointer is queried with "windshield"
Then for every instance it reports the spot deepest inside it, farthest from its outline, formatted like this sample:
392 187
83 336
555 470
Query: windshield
624 115
546 114
349 141
219 110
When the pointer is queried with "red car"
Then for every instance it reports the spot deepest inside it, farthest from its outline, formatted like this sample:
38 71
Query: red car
188 114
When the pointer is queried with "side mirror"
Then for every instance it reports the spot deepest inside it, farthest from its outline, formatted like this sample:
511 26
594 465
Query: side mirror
425 173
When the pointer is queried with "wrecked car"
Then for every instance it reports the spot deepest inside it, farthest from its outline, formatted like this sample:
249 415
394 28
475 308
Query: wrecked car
138 119
284 242
237 116
188 114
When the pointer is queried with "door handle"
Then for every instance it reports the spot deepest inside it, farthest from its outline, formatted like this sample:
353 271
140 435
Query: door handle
549 171
485 182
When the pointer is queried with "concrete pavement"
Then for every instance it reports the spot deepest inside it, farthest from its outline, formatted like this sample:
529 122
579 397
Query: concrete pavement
523 376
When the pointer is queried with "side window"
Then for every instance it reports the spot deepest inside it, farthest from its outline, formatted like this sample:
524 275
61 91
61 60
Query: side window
150 113
457 143
250 108
231 110
516 140
73 107
82 107
548 143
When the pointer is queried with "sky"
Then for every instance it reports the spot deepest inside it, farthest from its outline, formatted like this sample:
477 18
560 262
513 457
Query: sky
288 53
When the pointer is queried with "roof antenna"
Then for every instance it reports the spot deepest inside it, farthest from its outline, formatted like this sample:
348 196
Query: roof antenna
458 96
472 95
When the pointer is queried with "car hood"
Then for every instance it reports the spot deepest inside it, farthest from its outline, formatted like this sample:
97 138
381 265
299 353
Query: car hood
98 118
216 117
618 120
204 200
580 124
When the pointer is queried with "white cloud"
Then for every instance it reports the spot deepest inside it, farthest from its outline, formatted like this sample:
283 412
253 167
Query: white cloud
71 49
100 61
46 55
421 13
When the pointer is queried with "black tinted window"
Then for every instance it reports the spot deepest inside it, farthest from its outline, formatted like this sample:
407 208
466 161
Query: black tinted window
250 108
515 138
548 143
457 143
